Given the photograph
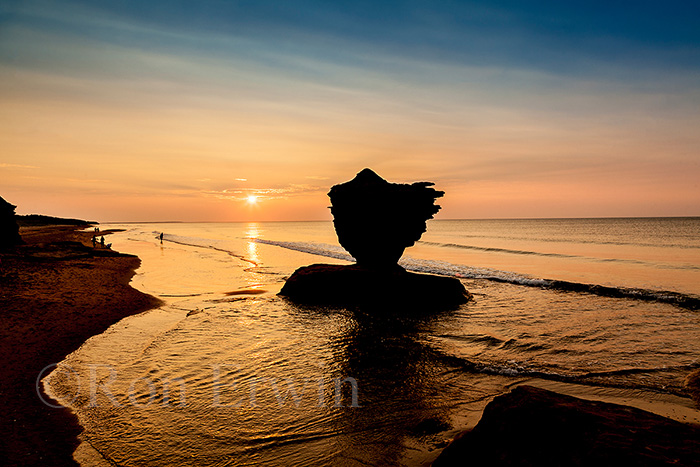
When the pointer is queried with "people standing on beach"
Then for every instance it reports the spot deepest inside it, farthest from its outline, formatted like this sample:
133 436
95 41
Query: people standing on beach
102 241
94 241
161 238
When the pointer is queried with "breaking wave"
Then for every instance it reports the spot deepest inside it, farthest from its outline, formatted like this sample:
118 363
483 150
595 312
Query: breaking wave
566 375
469 272
558 255
218 245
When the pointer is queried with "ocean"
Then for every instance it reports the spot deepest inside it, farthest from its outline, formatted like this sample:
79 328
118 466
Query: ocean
227 372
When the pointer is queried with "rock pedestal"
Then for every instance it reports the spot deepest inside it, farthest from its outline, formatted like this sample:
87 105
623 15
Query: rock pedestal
376 221
339 285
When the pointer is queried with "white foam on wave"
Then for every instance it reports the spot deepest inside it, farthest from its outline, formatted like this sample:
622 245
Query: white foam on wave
200 242
445 268
413 264
463 271
194 241
320 249
469 272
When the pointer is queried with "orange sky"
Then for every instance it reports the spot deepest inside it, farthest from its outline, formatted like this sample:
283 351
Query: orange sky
151 128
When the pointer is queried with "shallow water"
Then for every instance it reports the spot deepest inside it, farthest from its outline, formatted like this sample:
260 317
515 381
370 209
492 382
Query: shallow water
228 373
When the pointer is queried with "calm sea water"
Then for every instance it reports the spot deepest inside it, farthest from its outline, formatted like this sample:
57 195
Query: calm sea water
228 373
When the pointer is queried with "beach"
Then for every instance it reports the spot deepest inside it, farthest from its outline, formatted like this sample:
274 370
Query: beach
222 369
404 233
56 292
227 371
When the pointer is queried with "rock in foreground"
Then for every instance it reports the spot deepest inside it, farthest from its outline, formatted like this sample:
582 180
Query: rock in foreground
330 284
532 426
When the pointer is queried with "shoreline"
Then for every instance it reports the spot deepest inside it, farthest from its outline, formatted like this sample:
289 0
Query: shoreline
102 276
56 291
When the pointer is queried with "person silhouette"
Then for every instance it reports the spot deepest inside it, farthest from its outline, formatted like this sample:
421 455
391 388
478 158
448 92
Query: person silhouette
161 237
102 241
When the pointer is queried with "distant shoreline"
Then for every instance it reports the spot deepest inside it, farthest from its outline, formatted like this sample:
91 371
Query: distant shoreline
56 291
35 220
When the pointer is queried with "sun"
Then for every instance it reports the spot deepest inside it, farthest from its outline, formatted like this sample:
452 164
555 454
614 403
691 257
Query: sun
252 199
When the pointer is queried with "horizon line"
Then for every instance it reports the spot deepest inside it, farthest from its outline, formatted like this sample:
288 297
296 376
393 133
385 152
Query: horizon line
438 220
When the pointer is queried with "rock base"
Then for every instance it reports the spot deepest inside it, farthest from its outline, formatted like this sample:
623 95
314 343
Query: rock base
532 426
352 285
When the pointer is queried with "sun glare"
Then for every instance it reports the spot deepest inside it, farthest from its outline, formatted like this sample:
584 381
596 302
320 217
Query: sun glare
252 199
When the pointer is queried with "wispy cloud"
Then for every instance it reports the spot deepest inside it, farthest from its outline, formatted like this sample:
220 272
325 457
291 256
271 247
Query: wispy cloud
285 192
16 166
184 99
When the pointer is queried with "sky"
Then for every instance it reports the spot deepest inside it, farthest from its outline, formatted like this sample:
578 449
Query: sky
182 110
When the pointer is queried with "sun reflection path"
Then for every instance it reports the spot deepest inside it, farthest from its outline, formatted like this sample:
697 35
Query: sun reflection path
252 254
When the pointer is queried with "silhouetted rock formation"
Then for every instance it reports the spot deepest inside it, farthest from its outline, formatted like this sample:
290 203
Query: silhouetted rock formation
532 426
376 220
335 284
9 230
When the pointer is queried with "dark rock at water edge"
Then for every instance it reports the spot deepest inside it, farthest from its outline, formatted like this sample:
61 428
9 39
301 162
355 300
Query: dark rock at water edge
9 230
354 285
376 220
535 427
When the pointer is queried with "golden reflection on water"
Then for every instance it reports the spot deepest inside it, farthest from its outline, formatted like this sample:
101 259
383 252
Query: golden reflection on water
417 375
252 231
252 252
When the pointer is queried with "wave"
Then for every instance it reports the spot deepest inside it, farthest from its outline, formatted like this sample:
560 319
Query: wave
497 250
204 243
560 255
601 378
468 272
320 249
582 241
681 300
461 271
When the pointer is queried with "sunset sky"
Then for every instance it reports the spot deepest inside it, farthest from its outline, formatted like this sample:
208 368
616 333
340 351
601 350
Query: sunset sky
181 110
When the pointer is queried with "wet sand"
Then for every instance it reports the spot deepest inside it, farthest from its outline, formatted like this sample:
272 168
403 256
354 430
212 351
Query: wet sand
55 293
